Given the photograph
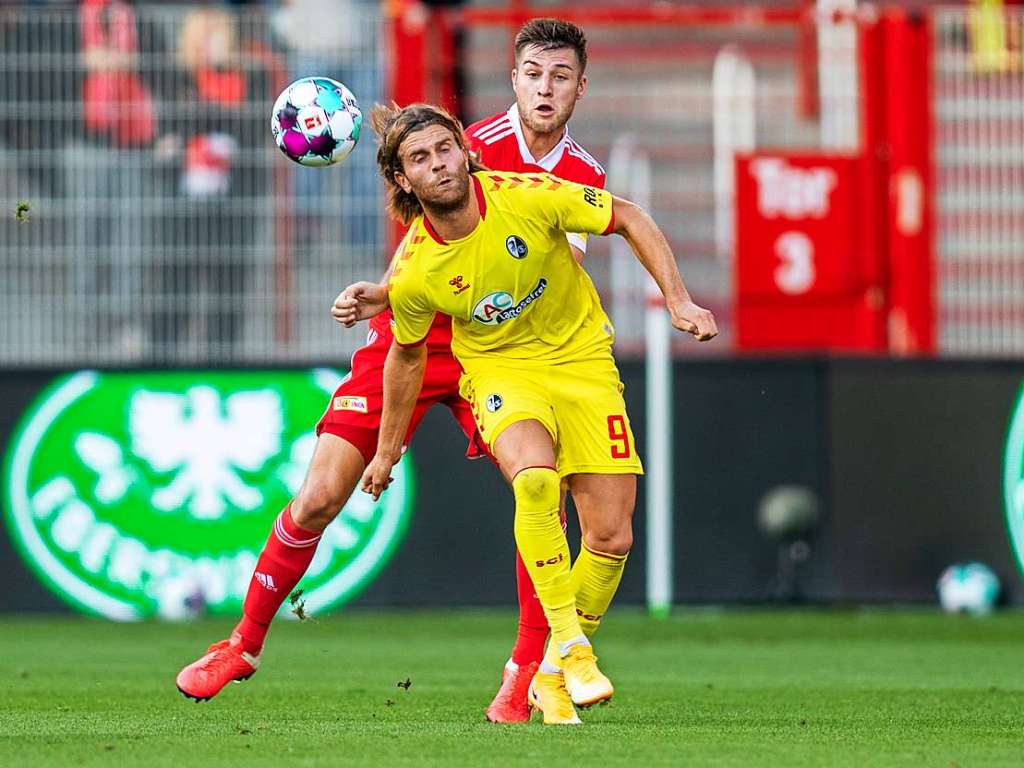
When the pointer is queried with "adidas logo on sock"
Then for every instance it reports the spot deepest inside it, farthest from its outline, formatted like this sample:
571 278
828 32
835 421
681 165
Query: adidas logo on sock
266 580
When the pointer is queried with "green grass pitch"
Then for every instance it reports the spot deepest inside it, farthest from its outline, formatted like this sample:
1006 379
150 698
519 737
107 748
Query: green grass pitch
702 688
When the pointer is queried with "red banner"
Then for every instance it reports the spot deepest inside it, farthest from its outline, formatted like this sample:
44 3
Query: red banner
805 270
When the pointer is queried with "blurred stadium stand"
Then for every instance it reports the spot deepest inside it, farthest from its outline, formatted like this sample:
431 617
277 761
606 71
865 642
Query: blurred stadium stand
173 233
164 228
979 132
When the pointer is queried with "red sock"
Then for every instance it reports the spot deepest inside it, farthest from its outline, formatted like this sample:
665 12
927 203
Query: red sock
283 561
533 624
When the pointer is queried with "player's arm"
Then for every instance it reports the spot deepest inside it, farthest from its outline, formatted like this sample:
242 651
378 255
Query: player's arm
412 318
577 208
578 240
361 301
403 377
653 251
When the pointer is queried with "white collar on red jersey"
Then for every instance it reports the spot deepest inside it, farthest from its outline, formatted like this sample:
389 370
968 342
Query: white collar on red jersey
552 158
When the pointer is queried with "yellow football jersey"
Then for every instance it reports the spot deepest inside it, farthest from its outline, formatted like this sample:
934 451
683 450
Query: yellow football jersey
511 286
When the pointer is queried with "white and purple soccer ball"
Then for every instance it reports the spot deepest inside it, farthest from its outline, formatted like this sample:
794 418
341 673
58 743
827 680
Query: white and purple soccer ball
316 121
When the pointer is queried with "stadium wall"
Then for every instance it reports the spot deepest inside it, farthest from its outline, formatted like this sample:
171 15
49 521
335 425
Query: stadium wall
906 457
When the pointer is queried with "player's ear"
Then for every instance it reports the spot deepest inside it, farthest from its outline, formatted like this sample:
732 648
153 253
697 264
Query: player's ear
581 87
402 182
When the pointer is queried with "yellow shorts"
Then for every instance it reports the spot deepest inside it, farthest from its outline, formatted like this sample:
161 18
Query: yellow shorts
579 403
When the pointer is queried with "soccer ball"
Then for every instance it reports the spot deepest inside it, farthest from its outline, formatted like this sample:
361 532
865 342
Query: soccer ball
316 121
179 598
968 588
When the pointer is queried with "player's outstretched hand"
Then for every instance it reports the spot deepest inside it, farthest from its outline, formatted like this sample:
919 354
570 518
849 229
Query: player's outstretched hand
377 476
695 320
359 301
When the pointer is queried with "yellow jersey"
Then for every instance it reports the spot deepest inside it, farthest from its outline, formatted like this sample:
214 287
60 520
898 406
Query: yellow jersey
511 286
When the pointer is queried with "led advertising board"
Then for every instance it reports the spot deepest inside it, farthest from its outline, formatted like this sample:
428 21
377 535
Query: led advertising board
133 494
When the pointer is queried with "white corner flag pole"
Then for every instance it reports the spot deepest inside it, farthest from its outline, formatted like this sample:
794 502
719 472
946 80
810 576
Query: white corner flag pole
631 170
658 335
659 457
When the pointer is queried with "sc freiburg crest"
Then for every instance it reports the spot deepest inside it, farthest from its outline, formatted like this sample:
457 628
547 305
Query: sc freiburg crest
516 247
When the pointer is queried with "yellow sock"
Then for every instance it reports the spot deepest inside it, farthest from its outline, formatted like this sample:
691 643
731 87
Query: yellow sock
544 549
595 580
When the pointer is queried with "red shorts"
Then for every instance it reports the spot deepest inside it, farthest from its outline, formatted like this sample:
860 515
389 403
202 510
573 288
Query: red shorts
354 411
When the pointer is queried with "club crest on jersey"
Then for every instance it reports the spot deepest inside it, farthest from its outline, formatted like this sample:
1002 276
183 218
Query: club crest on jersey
516 247
494 403
495 308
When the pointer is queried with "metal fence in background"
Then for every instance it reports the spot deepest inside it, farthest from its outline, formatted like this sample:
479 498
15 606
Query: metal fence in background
979 155
650 89
653 83
148 218
162 227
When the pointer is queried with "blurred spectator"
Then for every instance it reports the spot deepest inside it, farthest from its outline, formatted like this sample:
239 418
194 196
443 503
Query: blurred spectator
995 35
104 172
337 39
116 104
200 278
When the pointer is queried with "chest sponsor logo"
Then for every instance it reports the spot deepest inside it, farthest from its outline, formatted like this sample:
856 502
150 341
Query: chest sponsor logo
497 308
516 247
350 403
151 493
457 284
490 306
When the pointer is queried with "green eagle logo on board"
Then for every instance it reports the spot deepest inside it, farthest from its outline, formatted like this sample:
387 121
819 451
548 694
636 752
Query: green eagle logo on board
138 494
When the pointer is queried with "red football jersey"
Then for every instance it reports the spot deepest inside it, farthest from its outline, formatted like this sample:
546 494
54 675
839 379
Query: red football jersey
500 145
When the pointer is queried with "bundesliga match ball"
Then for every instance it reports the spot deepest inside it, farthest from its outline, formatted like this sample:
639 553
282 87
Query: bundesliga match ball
968 588
316 121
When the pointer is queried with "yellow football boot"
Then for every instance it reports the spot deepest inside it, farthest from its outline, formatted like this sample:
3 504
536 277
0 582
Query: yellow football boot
585 683
548 695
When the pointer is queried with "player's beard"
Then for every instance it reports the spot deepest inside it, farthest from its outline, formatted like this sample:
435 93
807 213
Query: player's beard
451 197
553 124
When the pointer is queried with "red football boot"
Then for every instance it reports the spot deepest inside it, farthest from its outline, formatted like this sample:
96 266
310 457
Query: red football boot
510 703
224 662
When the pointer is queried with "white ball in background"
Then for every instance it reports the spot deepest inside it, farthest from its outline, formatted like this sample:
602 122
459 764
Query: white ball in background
179 599
971 588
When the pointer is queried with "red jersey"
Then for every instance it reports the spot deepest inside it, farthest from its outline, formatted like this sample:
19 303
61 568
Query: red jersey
499 144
